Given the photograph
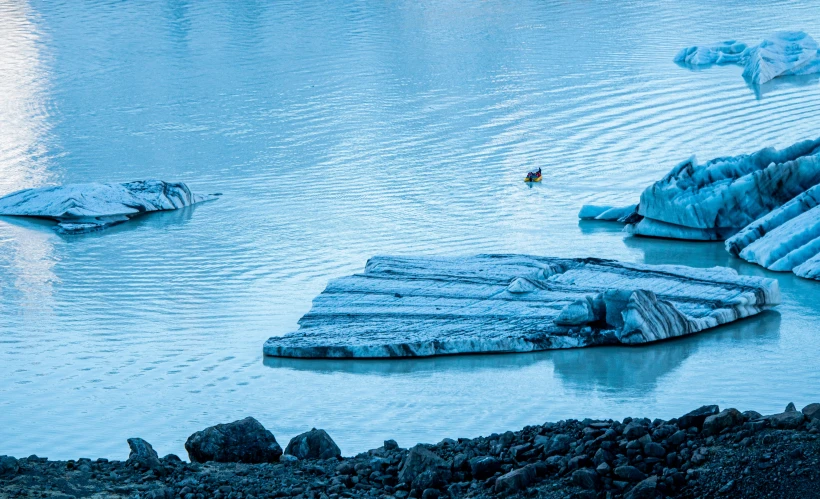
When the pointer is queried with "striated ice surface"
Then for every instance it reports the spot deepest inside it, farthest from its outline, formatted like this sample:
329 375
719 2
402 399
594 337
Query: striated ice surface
413 307
715 200
785 53
85 207
786 238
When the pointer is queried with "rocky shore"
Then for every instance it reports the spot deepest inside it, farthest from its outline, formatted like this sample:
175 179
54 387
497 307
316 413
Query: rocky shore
705 453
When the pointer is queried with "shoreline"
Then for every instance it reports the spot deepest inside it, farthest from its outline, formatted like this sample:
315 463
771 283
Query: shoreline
705 453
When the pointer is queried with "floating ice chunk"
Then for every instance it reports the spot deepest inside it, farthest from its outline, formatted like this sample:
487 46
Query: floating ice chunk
724 195
810 269
408 307
786 53
605 213
728 52
86 207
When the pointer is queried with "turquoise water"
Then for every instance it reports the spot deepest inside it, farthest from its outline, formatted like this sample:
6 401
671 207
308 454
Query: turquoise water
337 131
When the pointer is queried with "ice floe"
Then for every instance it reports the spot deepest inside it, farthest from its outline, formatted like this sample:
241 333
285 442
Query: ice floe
786 53
86 207
413 307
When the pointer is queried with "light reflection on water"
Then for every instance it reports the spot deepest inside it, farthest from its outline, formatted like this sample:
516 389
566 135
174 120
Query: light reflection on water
341 130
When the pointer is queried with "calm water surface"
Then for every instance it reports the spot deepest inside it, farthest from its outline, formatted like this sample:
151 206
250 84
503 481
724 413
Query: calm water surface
338 130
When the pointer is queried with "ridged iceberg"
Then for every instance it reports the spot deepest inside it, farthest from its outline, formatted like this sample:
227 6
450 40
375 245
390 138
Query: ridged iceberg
86 207
414 307
766 205
715 200
786 53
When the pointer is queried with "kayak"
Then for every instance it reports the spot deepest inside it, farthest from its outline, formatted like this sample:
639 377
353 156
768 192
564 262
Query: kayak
536 179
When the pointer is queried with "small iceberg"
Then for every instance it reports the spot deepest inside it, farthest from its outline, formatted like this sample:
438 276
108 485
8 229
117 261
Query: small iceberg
787 53
86 207
417 307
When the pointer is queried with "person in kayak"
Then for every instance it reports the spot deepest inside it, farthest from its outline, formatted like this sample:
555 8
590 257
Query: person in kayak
535 174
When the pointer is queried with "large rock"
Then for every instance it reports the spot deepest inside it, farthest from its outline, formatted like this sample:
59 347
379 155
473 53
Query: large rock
785 53
144 455
244 441
86 207
8 466
516 480
726 418
406 307
697 417
787 420
558 444
635 430
484 467
586 479
644 490
419 460
314 444
630 473
812 411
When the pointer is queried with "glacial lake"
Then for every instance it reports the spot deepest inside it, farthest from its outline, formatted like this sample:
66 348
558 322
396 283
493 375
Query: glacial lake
338 130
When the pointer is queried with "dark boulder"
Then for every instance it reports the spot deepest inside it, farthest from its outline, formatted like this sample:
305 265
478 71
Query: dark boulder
630 473
243 441
678 438
313 444
434 478
644 490
8 466
697 417
635 430
791 407
484 467
586 479
516 480
726 418
812 411
390 445
751 415
559 444
419 460
653 449
144 455
786 420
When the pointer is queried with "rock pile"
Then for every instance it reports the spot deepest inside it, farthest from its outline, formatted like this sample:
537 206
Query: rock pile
704 453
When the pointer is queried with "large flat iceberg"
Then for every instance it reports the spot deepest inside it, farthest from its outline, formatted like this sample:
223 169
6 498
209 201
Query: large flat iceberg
414 307
86 207
787 53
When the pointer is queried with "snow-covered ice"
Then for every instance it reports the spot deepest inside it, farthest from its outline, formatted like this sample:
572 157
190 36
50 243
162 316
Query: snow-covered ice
85 207
412 307
786 53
